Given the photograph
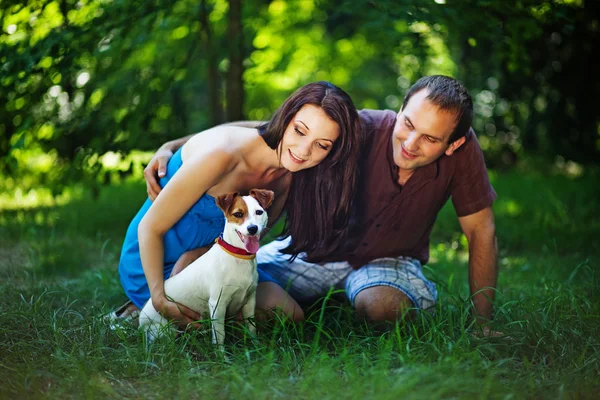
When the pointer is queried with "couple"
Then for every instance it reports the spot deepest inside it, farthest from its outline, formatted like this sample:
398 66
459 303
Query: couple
361 192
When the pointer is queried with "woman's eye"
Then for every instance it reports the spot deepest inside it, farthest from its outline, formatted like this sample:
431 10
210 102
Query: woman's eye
299 132
259 212
323 147
238 214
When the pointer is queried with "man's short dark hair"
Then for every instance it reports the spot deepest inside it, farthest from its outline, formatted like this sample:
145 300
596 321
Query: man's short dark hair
449 95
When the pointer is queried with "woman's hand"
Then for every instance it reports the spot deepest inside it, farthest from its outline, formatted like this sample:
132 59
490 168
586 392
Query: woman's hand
181 315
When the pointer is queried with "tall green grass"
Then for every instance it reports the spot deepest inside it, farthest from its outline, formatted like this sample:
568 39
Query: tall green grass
58 276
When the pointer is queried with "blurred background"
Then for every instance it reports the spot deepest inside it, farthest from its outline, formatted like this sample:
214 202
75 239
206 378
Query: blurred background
88 89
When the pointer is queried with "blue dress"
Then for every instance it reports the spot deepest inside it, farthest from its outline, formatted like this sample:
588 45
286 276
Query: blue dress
198 227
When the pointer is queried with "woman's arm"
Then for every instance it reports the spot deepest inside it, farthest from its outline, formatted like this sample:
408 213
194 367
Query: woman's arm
197 175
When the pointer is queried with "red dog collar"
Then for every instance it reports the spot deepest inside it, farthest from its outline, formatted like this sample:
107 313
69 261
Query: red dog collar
234 251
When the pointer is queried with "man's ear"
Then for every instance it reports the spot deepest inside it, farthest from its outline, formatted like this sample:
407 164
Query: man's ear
455 145
225 201
264 197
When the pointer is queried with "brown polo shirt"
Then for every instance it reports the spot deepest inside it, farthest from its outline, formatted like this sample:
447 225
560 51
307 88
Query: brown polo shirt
390 220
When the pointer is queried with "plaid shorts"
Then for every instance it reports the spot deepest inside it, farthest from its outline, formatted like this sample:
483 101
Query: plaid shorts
307 281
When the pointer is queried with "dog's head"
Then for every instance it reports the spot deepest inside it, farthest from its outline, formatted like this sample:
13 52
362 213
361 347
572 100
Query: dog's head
246 217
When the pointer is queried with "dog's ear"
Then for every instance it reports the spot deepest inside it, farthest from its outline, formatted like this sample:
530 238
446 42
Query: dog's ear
225 201
264 197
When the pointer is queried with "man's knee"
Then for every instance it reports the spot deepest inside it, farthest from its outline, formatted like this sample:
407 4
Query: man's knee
383 303
271 298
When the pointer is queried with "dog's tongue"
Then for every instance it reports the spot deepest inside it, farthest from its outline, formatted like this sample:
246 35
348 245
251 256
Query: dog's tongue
251 244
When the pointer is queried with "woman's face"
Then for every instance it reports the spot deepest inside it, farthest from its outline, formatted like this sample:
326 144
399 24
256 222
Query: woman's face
308 138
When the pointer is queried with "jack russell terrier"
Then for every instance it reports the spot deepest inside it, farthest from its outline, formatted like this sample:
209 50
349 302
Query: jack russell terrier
222 281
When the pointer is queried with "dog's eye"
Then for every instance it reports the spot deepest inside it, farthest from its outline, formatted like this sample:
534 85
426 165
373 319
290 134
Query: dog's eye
259 212
238 214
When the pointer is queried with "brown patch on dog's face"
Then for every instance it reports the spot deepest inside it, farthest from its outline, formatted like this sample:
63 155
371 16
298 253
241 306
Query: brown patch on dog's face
264 197
225 201
238 211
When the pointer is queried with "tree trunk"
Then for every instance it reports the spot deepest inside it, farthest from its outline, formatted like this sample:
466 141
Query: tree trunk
214 96
235 84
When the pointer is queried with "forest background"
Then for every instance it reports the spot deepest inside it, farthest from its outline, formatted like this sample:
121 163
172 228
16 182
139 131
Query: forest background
89 89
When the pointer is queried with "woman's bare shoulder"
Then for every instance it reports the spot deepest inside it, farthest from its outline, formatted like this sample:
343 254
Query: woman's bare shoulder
222 139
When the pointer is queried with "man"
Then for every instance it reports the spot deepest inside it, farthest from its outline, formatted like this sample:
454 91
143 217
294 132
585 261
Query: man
413 161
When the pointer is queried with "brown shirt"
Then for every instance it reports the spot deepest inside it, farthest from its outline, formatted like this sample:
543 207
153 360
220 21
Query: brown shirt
390 220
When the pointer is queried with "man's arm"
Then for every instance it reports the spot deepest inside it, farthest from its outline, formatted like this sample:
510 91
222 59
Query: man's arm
157 167
480 230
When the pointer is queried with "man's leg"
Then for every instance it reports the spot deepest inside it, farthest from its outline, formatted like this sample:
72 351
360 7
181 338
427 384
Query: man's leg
383 303
284 283
388 289
270 297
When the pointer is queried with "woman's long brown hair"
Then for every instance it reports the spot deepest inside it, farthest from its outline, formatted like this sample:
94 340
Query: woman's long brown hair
319 200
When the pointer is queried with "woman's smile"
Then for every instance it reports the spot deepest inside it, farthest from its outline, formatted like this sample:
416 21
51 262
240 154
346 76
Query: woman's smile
295 159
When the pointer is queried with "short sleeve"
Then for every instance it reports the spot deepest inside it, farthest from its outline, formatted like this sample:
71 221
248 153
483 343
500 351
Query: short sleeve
471 189
374 120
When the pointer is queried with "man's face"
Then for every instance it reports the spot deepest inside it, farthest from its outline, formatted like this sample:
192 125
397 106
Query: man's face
421 133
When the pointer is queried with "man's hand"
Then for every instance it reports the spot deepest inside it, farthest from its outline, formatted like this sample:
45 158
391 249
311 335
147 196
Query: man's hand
156 169
486 332
187 258
181 315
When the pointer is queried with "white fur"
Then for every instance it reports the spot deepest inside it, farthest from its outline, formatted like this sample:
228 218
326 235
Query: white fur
217 283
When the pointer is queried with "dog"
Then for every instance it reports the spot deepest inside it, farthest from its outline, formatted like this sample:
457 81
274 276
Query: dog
223 281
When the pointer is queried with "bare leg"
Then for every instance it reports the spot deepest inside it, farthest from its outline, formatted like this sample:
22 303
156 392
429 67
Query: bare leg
270 298
383 303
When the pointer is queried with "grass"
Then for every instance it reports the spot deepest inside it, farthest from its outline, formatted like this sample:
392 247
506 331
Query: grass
58 274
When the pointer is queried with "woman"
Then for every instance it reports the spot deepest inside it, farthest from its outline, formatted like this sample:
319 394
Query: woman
307 154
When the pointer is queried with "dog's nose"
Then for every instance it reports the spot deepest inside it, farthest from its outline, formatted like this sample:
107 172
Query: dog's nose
252 229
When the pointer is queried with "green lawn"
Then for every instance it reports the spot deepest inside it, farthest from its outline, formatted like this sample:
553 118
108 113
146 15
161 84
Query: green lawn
58 274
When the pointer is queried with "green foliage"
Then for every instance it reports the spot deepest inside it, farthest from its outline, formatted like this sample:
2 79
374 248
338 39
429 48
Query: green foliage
531 70
80 79
85 78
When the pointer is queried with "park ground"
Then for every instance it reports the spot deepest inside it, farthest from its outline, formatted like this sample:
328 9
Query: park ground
58 275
